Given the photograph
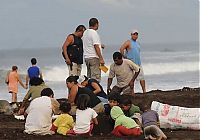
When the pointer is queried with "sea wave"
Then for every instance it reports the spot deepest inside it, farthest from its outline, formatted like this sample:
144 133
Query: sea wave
58 73
166 68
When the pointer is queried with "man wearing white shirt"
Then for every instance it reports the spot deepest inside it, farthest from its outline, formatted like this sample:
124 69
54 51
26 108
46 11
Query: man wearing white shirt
92 50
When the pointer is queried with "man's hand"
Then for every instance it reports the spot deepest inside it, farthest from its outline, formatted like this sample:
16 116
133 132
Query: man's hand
21 111
102 61
108 90
68 62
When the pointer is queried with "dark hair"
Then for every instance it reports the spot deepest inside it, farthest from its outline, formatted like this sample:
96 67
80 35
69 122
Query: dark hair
117 55
93 22
83 101
72 79
47 92
35 81
33 61
114 97
65 107
80 28
86 78
125 100
145 106
14 68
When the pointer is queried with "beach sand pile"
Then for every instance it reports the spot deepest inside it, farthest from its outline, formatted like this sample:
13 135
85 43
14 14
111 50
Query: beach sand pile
12 129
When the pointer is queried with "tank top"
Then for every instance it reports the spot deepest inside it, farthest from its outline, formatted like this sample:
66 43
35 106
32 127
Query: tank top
75 51
134 53
94 100
101 93
33 71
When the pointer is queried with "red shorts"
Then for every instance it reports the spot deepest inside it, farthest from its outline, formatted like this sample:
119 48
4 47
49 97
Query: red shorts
123 131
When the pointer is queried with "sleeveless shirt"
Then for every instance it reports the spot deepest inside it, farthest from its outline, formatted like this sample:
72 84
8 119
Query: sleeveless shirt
134 53
94 100
75 50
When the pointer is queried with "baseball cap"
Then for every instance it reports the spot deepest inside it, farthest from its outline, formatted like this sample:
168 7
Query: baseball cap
134 31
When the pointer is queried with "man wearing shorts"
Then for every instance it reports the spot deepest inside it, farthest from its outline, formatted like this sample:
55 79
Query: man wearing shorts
132 49
72 51
92 50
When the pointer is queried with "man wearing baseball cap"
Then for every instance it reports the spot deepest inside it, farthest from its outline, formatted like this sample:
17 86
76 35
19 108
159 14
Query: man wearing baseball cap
132 51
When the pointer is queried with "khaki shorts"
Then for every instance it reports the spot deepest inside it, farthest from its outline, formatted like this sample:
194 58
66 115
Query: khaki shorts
141 74
75 69
93 70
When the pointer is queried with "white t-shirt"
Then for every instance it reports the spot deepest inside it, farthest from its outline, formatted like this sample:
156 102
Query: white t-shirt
39 119
90 38
83 119
124 72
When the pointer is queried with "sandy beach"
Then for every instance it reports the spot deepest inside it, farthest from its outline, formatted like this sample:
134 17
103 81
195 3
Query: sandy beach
11 128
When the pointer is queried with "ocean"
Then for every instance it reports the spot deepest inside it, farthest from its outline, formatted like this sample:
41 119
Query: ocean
166 67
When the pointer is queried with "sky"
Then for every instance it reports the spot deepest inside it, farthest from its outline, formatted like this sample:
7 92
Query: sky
46 23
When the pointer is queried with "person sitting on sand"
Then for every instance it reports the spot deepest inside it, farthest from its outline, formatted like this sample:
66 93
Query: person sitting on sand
126 72
150 122
86 117
36 86
63 122
40 110
113 100
130 110
12 80
95 86
124 126
75 90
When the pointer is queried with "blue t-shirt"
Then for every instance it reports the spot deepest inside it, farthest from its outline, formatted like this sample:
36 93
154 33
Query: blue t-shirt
134 53
33 71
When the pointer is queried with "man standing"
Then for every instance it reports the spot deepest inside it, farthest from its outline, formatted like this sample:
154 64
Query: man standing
73 51
92 50
126 72
132 48
33 71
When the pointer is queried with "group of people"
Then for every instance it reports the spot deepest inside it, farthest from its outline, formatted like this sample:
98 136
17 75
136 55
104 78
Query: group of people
86 44
86 98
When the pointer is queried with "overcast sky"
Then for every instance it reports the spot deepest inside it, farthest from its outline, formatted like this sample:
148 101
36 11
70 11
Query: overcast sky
46 23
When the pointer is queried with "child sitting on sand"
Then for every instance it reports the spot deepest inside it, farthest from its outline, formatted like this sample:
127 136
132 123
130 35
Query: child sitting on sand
63 122
130 110
124 126
113 100
86 117
150 122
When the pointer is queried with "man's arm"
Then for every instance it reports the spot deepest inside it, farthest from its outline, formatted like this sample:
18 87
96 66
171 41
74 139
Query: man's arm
24 102
131 83
97 49
109 84
68 41
125 46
